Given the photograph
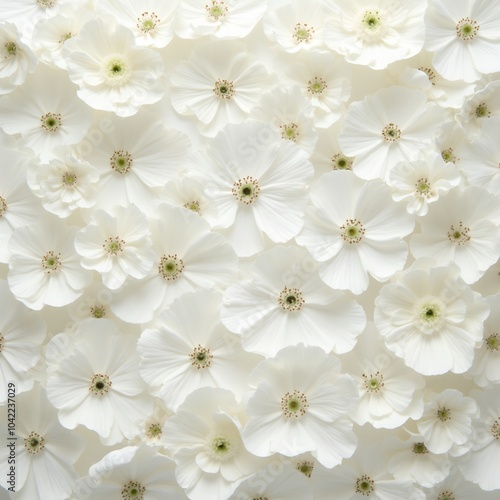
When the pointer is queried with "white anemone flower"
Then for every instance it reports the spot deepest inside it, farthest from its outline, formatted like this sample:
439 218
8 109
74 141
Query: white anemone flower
204 438
111 71
45 452
225 19
96 382
447 422
461 227
284 302
354 229
186 351
465 38
375 33
117 244
431 319
394 124
133 473
301 402
44 268
22 333
16 58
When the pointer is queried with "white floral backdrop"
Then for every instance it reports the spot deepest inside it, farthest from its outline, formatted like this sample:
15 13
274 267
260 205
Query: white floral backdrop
250 249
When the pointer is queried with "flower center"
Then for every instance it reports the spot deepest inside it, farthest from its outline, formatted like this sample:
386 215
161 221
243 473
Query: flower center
495 429
294 404
154 431
423 188
446 495
246 190
391 133
216 11
10 49
352 231
365 485
201 357
467 29
420 449
305 467
303 32
193 206
116 71
222 445
448 156
34 443
493 342
291 299
443 414
69 179
430 74
482 111
65 37
341 162
100 384
121 161
316 86
133 491
98 311
113 246
45 3
429 315
1 342
224 89
290 131
50 122
459 235
170 267
147 22
373 382
3 206
51 262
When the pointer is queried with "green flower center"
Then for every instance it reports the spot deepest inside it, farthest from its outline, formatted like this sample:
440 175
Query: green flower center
446 495
100 384
216 11
170 267
45 3
10 49
493 342
341 162
373 382
3 206
113 246
391 133
448 156
316 86
201 357
482 111
246 190
443 414
69 179
420 449
352 231
147 22
495 429
365 485
224 89
290 131
294 404
459 235
194 206
306 468
303 32
133 491
121 161
98 311
51 262
116 71
50 122
467 29
154 431
423 187
291 299
34 443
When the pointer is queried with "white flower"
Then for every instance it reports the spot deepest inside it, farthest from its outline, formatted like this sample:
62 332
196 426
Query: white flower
325 81
97 383
65 183
257 181
300 403
204 437
485 369
431 319
285 303
116 244
16 58
354 229
18 206
220 83
151 21
422 181
134 159
464 37
45 112
462 227
134 473
191 257
44 451
44 268
375 33
21 336
393 124
112 72
447 422
295 25
222 19
186 351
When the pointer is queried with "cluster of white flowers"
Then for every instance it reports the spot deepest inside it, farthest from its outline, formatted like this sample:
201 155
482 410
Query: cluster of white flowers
250 249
